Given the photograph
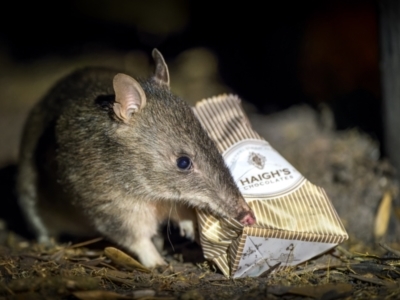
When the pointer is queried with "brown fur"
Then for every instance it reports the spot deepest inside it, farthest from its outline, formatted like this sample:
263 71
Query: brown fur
85 166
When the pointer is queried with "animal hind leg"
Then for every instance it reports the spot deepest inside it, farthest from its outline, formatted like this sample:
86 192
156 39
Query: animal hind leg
28 201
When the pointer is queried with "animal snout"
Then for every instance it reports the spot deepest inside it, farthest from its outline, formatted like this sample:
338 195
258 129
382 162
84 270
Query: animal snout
246 217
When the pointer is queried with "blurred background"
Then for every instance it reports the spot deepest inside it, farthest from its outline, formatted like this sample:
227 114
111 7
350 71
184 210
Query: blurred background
309 74
274 56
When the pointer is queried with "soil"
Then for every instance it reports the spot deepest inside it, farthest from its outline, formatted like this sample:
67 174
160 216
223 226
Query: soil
95 270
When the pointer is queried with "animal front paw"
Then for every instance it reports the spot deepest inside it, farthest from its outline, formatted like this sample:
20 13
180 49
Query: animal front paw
186 229
147 253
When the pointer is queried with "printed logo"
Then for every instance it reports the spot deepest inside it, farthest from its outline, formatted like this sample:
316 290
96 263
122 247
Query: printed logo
256 160
260 171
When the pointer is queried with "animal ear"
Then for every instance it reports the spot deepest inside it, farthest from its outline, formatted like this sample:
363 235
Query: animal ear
161 74
129 97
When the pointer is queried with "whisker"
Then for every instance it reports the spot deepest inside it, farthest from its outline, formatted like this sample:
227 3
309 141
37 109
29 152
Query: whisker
169 229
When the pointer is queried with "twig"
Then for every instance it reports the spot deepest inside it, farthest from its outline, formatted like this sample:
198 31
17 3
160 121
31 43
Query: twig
7 289
319 267
85 243
373 280
391 250
347 253
270 270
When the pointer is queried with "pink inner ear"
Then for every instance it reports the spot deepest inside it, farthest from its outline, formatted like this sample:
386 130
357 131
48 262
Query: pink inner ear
129 97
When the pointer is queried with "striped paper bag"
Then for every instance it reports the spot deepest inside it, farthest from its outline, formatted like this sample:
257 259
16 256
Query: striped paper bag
295 219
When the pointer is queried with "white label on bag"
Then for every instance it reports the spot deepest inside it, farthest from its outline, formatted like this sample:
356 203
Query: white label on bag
261 254
259 170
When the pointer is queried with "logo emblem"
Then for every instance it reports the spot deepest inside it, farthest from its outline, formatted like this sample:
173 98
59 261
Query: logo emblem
256 160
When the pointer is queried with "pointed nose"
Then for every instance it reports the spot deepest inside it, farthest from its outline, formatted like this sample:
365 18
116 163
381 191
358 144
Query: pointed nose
244 213
246 218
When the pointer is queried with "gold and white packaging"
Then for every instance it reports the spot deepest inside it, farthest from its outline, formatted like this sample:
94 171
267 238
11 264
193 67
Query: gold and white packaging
295 219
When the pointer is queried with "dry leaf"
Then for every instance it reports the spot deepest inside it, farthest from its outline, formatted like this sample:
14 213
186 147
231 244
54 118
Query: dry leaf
99 295
143 293
326 291
371 278
383 215
122 259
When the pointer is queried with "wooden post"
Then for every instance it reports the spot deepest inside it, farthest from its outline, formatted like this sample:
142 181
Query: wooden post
390 70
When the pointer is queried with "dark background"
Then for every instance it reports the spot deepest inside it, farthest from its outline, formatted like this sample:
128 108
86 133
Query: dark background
274 55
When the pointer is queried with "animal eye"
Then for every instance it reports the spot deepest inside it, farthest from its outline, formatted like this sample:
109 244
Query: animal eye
184 163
